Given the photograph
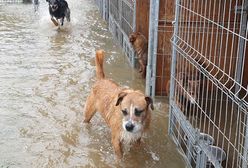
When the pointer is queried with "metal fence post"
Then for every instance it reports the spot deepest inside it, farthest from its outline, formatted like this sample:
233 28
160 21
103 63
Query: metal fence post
152 48
134 29
173 65
245 152
134 16
120 11
104 9
241 48
241 59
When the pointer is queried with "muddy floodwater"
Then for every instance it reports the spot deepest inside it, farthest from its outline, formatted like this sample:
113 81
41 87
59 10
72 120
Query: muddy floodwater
45 76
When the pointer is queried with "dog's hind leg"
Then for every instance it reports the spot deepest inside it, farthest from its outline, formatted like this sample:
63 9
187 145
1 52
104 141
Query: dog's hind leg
90 109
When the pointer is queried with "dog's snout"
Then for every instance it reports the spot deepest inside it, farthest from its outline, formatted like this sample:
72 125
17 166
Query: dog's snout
129 127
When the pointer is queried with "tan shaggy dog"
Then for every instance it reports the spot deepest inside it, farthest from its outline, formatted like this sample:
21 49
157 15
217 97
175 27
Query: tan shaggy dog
140 46
126 111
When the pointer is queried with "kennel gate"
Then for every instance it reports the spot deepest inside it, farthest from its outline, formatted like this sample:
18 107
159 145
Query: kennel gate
120 16
208 90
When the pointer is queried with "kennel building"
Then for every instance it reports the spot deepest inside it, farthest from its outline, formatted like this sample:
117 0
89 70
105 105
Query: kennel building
198 56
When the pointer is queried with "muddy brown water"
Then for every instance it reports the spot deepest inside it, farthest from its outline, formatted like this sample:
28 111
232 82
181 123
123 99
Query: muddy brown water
45 76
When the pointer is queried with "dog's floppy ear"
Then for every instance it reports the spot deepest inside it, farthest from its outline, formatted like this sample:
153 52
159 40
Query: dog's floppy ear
120 97
149 101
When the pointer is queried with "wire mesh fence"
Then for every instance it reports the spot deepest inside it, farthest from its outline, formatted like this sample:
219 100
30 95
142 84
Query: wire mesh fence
120 15
209 90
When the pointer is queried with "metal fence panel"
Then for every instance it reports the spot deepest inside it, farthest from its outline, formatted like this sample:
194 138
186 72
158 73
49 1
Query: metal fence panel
120 15
209 93
152 48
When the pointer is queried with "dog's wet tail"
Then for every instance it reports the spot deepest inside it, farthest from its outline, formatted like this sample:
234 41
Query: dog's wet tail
99 64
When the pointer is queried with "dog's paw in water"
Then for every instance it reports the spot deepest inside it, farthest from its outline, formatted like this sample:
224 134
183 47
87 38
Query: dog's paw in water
54 22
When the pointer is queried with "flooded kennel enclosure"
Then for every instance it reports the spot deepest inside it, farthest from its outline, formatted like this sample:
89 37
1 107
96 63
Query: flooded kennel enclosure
45 76
197 57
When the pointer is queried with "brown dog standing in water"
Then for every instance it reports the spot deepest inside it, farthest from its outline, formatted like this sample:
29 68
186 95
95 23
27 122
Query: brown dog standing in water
140 46
126 111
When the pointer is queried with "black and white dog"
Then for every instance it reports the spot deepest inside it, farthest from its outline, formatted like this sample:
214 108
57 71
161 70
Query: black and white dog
59 9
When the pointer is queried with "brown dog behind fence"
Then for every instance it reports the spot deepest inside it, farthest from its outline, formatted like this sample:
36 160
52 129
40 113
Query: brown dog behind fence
140 46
